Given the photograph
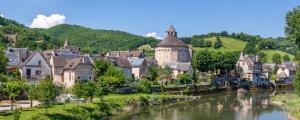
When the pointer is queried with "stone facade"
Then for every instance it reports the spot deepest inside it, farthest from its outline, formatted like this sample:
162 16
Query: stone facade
173 52
35 67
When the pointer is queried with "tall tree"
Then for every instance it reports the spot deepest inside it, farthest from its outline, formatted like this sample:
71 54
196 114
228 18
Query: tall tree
292 28
13 88
250 48
100 68
32 93
47 92
90 89
276 58
218 43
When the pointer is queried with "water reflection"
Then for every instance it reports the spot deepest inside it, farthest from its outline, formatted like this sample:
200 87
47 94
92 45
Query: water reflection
227 106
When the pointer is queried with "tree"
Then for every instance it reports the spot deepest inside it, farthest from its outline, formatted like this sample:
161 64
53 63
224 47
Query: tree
262 56
218 43
78 90
184 78
202 60
276 58
102 89
292 28
100 68
13 88
286 58
89 89
165 75
114 76
250 48
152 73
297 81
3 62
32 93
47 92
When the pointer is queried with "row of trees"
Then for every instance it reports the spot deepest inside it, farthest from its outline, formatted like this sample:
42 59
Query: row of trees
210 61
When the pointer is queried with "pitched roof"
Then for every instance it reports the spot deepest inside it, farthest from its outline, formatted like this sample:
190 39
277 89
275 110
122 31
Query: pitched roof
119 61
125 54
282 75
171 39
59 61
73 63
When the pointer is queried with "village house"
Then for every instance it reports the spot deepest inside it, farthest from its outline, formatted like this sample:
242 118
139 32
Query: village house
174 53
16 55
31 65
252 69
34 68
68 65
77 69
286 72
133 63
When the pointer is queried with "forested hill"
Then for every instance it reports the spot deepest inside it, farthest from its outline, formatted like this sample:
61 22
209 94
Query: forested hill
90 40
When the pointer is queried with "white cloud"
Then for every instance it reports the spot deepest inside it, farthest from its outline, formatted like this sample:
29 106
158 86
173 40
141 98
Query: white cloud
1 15
153 34
42 21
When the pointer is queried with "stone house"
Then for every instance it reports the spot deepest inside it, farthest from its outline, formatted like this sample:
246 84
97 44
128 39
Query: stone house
133 67
286 71
77 69
174 53
35 67
252 69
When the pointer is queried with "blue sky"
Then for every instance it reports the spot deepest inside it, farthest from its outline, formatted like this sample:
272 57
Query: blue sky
261 17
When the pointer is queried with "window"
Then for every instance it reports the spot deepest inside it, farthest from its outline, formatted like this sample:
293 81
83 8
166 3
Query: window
90 77
39 62
78 78
38 72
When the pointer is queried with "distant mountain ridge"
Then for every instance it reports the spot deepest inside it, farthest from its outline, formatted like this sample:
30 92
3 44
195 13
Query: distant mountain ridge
89 40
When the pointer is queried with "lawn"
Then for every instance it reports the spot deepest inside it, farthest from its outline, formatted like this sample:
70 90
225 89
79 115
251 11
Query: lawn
63 110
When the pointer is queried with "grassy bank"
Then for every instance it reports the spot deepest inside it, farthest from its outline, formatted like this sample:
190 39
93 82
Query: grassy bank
117 103
290 102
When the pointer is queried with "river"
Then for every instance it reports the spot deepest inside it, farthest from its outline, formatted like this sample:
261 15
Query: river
223 106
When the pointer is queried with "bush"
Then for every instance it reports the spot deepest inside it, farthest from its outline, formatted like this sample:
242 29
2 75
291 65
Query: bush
144 86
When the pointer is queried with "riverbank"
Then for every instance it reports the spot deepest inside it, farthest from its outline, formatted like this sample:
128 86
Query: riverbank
290 102
113 104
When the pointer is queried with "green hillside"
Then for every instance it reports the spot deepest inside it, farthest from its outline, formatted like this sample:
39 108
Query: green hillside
232 44
93 40
89 40
229 43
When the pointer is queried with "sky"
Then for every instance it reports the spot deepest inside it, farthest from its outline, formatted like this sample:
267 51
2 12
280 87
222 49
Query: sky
152 17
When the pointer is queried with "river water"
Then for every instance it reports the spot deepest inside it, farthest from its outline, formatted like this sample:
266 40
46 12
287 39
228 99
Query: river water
224 106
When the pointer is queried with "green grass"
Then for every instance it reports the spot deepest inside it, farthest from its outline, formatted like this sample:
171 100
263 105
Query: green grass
229 43
290 101
62 109
270 53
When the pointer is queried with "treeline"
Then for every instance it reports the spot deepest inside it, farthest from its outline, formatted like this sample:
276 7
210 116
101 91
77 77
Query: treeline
212 61
279 43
